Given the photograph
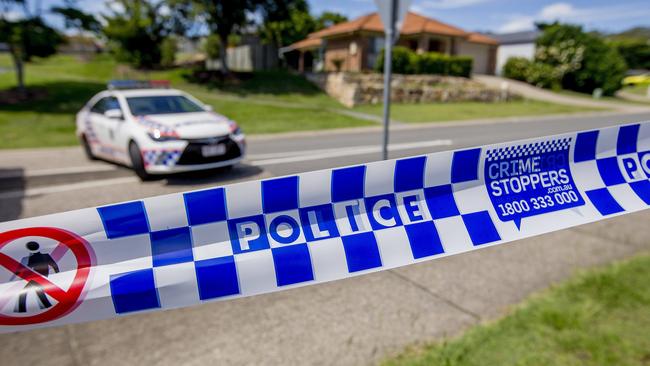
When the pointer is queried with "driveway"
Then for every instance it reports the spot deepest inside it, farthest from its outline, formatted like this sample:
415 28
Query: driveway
531 92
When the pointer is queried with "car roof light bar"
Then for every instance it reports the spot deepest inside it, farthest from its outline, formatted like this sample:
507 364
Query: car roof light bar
137 84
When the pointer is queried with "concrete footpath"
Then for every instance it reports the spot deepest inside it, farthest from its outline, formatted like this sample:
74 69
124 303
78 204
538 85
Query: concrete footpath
532 92
350 322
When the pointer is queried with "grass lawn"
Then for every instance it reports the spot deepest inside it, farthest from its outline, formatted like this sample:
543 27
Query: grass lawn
469 110
68 84
613 99
601 317
264 102
641 90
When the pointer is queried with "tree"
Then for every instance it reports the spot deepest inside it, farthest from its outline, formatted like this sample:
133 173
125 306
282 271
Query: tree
634 45
168 50
137 28
582 61
282 21
212 46
288 24
289 21
328 19
636 52
76 19
224 17
26 37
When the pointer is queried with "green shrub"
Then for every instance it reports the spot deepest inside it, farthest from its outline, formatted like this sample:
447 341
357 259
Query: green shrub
603 68
168 50
636 52
516 68
212 47
543 76
536 73
403 61
582 61
460 66
433 63
406 61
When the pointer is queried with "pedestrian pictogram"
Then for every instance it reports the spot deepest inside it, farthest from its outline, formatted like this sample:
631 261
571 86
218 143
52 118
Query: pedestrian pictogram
35 268
39 263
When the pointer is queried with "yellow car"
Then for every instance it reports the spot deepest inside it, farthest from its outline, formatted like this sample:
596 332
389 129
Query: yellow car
642 79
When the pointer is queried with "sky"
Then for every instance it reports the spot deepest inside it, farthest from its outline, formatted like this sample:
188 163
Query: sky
497 16
502 16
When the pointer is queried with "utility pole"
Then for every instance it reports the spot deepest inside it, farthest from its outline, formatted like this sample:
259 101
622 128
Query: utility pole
388 58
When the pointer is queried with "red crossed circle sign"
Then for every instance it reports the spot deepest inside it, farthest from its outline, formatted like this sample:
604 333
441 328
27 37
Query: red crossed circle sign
68 300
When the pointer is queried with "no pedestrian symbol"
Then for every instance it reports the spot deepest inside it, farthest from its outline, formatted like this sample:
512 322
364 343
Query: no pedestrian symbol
66 300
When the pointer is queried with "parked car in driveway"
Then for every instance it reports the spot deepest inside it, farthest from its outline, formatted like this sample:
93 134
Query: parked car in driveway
157 130
640 79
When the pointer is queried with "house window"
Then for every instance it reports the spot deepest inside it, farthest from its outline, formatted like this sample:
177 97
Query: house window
375 46
435 45
413 44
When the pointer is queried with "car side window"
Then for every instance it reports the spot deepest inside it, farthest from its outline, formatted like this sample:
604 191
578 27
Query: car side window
111 103
99 107
105 104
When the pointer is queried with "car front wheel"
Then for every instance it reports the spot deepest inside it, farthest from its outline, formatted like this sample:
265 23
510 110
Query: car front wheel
137 163
87 149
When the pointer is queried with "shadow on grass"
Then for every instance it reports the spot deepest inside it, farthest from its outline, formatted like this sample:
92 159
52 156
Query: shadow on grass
66 97
250 83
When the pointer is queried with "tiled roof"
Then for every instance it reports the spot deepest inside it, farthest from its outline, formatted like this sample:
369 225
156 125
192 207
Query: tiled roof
482 38
368 22
413 24
305 44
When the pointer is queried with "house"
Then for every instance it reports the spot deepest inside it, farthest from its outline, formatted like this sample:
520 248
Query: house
356 44
81 45
249 54
518 44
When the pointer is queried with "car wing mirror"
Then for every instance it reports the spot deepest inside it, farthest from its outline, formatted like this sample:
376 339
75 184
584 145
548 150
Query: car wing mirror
114 114
208 108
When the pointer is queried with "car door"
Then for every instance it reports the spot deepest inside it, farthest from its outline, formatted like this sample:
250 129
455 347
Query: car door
94 127
105 128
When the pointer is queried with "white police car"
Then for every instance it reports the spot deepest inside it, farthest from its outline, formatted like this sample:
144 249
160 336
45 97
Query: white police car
157 130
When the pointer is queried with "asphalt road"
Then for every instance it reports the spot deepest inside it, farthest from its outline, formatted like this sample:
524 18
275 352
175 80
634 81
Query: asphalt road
357 321
38 182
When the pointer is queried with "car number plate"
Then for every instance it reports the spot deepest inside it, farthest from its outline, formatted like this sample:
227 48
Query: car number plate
213 150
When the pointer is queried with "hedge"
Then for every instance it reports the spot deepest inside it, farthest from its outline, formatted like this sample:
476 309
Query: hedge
405 61
535 73
517 68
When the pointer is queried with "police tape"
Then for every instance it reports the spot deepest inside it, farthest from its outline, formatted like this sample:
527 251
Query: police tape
264 236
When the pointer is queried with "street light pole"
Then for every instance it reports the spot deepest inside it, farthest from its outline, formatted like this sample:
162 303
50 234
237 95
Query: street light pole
388 53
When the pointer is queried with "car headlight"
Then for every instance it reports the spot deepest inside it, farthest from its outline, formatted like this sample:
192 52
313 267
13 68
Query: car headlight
234 128
157 135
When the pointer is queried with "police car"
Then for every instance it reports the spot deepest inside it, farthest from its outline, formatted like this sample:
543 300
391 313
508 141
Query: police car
157 130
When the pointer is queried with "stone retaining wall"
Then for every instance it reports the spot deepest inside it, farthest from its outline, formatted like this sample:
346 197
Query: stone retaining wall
353 89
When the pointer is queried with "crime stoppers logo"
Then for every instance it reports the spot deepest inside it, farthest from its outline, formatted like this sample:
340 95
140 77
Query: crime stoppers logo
47 268
530 179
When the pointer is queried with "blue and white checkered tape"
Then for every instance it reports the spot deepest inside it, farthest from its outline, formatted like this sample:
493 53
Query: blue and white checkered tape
161 157
263 236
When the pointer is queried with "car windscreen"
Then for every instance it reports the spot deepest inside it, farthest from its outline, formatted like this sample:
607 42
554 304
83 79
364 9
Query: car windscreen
161 104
